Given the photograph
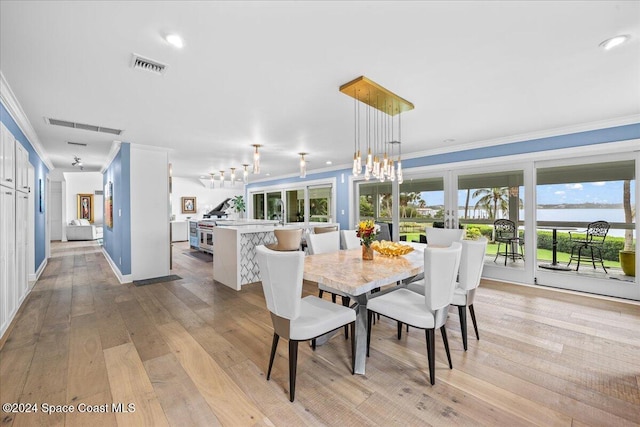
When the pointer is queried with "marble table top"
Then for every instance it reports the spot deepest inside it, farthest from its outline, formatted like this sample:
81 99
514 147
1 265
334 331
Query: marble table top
346 271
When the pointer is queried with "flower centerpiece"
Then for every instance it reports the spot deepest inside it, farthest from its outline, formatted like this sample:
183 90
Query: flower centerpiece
367 232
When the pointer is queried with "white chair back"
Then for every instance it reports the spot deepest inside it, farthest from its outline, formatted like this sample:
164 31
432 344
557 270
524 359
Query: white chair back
349 239
441 269
281 275
443 236
472 263
323 243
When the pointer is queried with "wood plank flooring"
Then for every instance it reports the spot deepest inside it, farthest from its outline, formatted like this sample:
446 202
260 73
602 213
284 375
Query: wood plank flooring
193 352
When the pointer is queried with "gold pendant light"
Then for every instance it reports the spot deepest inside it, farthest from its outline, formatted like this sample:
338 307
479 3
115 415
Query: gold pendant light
380 132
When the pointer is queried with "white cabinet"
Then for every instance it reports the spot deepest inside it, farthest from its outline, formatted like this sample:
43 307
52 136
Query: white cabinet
22 168
8 288
14 225
22 224
7 158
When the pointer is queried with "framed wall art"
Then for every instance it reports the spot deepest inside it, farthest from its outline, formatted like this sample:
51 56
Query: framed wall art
188 205
85 207
108 204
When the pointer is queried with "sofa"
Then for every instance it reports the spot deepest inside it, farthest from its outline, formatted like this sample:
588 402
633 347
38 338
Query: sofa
81 229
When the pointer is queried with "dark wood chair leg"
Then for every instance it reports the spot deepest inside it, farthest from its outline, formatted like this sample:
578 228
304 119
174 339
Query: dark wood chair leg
462 313
313 344
369 319
399 330
333 298
320 293
446 345
473 320
293 363
431 354
274 346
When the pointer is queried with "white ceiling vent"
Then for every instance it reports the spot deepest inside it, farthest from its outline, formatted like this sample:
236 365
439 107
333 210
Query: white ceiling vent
146 64
75 125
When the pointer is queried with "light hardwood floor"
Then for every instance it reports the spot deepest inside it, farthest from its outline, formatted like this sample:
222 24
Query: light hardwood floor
191 352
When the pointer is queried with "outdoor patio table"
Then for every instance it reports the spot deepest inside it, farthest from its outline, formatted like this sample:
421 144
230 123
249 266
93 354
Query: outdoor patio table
554 262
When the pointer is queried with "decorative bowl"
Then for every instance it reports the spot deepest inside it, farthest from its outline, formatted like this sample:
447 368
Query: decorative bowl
391 248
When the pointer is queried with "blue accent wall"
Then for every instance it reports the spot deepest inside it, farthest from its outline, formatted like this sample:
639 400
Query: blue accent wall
117 240
579 139
40 174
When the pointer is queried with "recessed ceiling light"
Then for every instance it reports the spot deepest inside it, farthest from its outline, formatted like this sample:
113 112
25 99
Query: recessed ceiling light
329 162
174 40
448 140
614 41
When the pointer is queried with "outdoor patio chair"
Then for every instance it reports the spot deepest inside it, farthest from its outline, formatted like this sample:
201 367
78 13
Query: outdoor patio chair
596 232
507 234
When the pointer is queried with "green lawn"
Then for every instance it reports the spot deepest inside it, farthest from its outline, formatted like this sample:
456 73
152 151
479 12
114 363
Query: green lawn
542 255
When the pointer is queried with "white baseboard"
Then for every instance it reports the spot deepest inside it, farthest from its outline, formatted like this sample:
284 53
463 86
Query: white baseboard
35 276
127 278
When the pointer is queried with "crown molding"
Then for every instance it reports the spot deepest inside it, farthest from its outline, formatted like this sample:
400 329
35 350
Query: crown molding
10 101
115 147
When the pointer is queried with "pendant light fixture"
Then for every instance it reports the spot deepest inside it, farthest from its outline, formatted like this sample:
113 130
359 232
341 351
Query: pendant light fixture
303 165
256 159
221 178
245 173
233 176
211 176
380 162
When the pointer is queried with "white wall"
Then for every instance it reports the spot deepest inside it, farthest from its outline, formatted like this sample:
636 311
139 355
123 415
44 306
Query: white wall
83 183
55 210
149 213
206 198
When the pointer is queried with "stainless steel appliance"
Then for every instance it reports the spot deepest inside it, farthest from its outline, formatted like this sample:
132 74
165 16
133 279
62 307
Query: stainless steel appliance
193 234
205 236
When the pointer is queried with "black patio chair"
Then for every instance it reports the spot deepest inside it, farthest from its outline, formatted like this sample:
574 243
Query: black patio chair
589 239
507 233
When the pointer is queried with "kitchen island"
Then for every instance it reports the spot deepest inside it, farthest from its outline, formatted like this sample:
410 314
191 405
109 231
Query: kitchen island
234 255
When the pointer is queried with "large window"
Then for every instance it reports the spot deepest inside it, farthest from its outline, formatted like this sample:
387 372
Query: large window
258 206
375 201
486 197
295 206
320 203
421 205
314 202
572 196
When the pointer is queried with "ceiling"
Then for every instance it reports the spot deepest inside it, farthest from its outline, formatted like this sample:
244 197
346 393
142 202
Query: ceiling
269 72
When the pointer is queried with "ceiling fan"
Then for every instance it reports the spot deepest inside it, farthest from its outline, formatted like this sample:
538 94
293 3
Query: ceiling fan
77 162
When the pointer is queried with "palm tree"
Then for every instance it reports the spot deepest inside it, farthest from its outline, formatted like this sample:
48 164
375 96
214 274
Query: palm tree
493 200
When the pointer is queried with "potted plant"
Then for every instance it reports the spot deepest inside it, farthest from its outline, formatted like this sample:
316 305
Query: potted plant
628 262
238 205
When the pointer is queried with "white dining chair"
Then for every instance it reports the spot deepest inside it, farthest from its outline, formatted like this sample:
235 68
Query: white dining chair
471 266
443 236
470 272
349 239
429 310
324 243
293 317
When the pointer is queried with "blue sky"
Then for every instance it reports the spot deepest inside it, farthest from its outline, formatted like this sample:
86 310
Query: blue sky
585 192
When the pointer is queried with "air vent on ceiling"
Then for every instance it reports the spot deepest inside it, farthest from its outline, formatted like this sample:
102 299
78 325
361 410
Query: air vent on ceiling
146 64
81 144
98 192
74 125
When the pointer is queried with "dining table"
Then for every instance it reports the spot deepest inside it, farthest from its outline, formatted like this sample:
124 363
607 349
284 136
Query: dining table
347 272
554 248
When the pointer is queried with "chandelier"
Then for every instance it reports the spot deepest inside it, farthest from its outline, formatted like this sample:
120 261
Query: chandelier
378 129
